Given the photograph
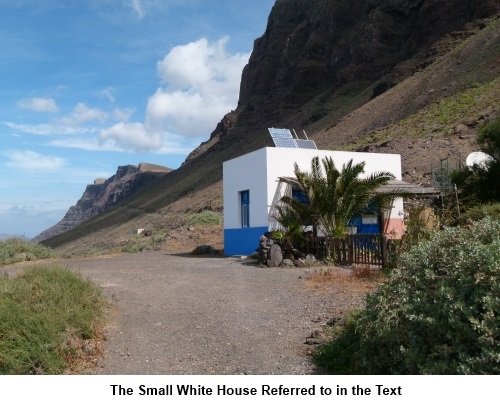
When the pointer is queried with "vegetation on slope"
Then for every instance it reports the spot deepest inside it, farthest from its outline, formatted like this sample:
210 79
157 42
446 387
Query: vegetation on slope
20 250
442 117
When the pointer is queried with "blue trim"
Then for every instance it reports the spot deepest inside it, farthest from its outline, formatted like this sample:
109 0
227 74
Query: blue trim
242 241
365 228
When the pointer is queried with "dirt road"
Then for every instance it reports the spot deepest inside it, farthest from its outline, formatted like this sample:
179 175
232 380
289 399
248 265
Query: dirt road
179 314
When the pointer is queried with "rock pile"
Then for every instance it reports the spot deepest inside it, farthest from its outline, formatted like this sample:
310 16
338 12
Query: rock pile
271 254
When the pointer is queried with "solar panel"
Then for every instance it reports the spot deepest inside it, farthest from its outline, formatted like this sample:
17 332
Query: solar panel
280 133
285 143
283 138
305 144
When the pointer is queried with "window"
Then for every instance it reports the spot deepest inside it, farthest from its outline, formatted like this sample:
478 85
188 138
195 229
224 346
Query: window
245 208
369 220
300 195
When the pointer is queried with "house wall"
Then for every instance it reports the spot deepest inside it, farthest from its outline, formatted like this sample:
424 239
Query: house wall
258 172
248 172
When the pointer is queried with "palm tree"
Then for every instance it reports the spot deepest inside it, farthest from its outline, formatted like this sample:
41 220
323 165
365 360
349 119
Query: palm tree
337 196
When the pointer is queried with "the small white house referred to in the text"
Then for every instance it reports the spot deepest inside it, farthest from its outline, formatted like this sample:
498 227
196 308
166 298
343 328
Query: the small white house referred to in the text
263 390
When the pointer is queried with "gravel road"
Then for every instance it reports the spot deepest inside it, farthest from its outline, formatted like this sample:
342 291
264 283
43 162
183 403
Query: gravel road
180 314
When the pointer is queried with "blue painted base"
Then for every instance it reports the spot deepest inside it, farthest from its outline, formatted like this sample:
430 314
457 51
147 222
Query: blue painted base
242 241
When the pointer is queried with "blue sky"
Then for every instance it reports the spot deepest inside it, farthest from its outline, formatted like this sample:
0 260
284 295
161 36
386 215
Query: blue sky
87 86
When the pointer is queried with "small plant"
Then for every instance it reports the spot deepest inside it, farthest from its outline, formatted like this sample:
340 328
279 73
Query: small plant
362 271
292 233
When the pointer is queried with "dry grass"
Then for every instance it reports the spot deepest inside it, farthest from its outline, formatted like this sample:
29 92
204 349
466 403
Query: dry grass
358 279
83 355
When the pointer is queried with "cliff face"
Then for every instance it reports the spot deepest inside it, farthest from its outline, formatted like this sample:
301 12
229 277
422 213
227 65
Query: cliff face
307 50
310 53
104 194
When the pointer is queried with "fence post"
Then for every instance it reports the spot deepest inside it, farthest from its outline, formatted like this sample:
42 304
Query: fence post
385 256
350 249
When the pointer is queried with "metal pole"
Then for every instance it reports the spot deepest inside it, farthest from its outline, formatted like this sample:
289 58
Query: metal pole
458 204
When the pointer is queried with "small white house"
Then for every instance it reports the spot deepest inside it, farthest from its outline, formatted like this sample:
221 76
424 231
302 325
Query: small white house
252 187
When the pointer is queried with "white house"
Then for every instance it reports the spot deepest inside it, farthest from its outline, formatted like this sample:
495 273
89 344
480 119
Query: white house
252 187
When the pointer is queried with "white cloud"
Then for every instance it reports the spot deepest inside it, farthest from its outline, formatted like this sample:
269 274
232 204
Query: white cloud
189 113
135 137
130 136
29 160
201 83
70 124
89 144
107 93
137 6
82 114
123 114
38 104
49 129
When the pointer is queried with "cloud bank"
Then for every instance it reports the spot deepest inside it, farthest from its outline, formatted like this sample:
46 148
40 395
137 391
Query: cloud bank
30 160
38 104
199 84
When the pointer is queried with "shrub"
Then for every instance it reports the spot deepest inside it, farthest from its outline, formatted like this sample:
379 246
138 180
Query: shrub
44 315
479 212
19 250
205 218
439 313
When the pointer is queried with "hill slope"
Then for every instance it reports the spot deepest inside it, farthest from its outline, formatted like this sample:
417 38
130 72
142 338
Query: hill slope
105 194
415 77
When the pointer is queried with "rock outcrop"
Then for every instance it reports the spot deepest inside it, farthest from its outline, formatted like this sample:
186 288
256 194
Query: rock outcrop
309 50
316 60
104 194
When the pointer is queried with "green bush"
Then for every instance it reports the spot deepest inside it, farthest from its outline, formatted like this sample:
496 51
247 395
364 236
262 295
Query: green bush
44 313
205 218
439 313
19 250
479 212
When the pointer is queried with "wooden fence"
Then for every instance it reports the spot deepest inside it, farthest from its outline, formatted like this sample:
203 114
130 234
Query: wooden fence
372 249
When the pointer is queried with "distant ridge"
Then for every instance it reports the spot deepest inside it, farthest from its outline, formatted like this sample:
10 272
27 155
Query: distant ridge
104 194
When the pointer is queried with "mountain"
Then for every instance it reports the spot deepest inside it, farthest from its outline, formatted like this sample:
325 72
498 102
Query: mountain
415 77
106 193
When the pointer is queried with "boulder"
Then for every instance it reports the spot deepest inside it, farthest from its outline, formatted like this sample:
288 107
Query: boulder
275 256
310 260
299 263
202 250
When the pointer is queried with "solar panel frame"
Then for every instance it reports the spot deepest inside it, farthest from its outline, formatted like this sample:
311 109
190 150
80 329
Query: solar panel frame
285 143
305 144
282 133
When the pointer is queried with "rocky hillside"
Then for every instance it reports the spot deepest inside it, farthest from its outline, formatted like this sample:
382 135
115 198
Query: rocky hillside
415 77
104 194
